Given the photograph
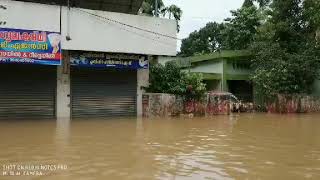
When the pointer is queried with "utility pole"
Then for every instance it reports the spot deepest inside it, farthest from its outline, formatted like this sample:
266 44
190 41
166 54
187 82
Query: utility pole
156 8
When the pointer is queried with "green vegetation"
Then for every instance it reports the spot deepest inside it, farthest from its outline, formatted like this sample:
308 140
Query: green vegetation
148 7
234 33
170 79
172 11
283 37
287 57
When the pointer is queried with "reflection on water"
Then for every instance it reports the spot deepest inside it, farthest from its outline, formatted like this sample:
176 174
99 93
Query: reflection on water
246 146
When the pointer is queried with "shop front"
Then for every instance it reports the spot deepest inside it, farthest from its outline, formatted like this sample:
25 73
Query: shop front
104 84
28 70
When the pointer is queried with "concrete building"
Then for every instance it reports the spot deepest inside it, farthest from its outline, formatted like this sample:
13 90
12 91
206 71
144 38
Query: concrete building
222 71
225 71
62 59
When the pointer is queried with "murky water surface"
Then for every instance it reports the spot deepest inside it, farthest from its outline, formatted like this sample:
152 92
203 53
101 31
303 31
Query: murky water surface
246 146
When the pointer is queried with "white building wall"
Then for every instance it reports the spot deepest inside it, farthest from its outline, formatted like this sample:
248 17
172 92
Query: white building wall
31 16
91 33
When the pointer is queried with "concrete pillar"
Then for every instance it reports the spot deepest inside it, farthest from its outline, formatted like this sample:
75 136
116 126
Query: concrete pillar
63 101
224 85
142 81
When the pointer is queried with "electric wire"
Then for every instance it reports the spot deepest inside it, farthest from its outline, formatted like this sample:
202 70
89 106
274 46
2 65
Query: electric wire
102 19
131 26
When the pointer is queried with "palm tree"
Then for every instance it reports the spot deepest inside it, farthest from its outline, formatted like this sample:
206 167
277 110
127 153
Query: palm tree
174 11
148 7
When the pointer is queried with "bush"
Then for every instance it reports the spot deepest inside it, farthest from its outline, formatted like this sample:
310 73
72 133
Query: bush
171 80
195 88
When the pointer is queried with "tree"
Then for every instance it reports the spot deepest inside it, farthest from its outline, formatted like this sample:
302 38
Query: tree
170 79
148 8
193 44
278 72
195 88
241 28
174 11
286 15
247 3
263 3
208 39
166 79
213 35
311 15
287 60
236 33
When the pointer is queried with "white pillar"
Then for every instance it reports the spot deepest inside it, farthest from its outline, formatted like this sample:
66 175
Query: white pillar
142 81
63 101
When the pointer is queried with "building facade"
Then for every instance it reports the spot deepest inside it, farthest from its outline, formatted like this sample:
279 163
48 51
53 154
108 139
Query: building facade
61 59
226 71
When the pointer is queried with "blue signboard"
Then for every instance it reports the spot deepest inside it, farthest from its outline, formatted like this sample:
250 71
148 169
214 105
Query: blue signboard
30 47
108 60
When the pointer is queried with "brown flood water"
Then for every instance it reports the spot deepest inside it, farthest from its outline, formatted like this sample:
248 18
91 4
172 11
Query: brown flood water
245 146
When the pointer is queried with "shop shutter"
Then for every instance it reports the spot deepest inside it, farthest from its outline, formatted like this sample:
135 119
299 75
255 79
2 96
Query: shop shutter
103 93
27 91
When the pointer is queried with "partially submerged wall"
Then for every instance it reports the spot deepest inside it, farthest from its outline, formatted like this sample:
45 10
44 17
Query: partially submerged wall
161 105
165 105
294 104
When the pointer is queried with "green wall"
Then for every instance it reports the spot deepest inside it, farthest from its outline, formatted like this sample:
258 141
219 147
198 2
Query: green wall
316 88
215 67
238 68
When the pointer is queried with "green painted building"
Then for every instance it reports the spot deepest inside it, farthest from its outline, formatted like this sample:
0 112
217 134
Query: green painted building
224 71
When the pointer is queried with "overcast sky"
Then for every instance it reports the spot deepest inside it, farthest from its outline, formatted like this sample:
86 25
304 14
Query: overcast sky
196 13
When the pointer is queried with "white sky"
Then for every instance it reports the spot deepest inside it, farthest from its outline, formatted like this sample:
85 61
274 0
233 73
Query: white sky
196 13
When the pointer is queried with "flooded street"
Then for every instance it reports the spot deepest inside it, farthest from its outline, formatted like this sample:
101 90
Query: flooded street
245 146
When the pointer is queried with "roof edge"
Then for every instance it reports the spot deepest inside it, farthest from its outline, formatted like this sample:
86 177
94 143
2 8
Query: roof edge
219 55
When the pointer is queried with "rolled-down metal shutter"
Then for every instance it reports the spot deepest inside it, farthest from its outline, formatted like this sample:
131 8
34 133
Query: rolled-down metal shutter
103 93
27 91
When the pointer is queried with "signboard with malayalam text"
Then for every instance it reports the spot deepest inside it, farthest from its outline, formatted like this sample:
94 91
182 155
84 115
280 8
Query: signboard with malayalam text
109 60
30 47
